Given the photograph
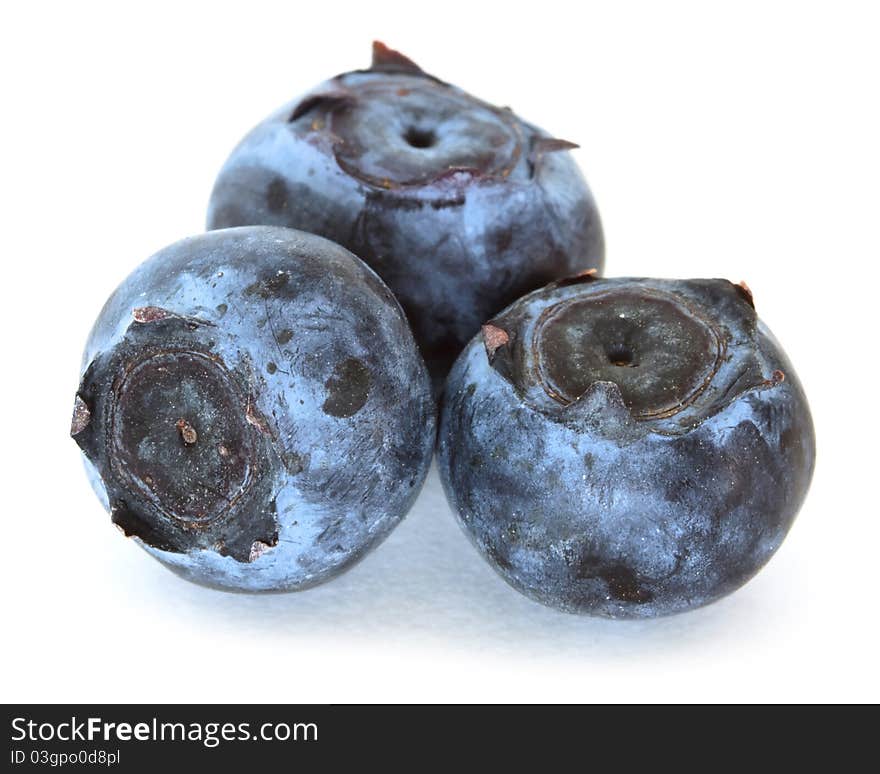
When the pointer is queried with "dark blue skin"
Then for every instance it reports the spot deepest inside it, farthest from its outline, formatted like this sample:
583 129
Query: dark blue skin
460 206
626 448
253 409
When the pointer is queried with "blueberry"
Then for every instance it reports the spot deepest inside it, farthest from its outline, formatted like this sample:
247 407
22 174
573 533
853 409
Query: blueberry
626 447
253 409
461 207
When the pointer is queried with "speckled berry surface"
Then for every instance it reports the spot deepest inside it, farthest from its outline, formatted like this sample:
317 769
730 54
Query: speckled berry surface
460 206
253 409
627 448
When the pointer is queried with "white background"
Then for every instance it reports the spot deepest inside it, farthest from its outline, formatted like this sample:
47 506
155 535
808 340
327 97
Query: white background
737 140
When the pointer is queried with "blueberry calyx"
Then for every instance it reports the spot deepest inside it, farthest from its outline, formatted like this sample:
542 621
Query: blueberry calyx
178 469
181 454
427 113
605 337
431 130
661 350
393 126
